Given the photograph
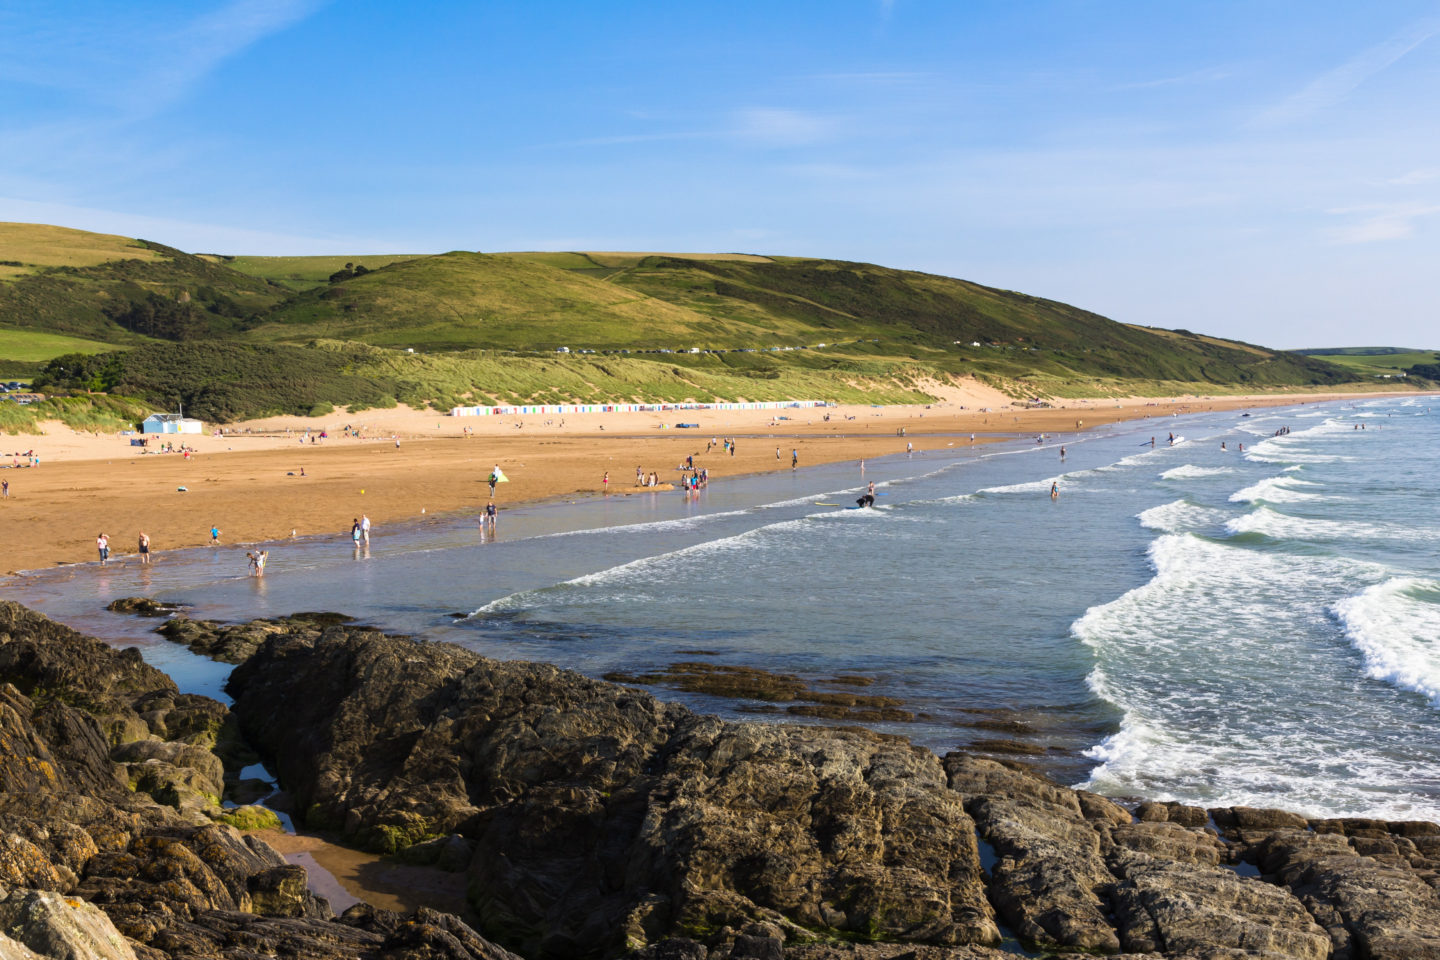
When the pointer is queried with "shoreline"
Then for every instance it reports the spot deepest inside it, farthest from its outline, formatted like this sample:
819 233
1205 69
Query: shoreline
413 465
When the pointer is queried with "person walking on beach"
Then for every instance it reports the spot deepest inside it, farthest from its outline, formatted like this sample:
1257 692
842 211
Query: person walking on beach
794 458
102 545
5 488
777 453
214 535
605 482
144 548
494 479
365 527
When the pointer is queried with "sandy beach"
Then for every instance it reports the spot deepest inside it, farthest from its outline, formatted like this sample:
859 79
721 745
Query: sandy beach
248 480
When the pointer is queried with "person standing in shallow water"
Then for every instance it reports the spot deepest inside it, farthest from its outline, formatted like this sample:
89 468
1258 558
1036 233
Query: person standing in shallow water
144 547
102 546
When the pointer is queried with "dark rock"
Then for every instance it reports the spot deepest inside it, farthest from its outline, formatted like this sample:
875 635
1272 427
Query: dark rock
1050 880
143 607
75 840
602 816
1370 909
1193 910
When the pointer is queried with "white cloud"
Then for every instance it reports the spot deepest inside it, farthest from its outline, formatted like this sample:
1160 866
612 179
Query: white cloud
1379 223
1333 86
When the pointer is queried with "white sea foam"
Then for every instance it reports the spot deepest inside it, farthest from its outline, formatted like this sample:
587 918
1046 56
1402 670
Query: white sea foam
1030 486
1179 516
1189 471
1276 490
648 526
1209 631
1396 627
1284 526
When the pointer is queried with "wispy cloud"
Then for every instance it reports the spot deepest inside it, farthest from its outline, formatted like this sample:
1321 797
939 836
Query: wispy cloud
137 67
1333 86
783 128
757 126
1206 75
200 46
1379 223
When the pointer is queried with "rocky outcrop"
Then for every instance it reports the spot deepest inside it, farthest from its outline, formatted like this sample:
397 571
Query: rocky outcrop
600 816
237 642
595 821
108 846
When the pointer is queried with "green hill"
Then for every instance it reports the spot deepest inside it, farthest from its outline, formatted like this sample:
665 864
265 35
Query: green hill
244 334
115 290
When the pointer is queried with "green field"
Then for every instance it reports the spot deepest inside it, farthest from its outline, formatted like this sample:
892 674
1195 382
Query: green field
30 346
1392 362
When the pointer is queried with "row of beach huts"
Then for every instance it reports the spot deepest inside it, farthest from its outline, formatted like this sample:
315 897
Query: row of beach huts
570 408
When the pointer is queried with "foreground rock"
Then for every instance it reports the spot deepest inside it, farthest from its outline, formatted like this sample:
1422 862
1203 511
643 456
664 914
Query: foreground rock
601 817
599 820
109 843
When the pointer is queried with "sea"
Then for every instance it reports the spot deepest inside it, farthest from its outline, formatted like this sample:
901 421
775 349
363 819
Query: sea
1185 621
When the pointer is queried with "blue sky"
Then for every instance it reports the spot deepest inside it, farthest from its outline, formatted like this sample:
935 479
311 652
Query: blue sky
1262 170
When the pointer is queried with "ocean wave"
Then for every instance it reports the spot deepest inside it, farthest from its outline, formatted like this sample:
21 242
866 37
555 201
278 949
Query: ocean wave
1179 516
649 526
1276 490
1395 626
1190 471
1284 526
1216 694
1030 486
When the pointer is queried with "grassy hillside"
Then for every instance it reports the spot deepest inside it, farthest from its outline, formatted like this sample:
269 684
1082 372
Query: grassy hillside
27 248
302 273
111 290
237 336
461 301
601 302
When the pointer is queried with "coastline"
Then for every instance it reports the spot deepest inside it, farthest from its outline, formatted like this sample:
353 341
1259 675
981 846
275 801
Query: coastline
410 464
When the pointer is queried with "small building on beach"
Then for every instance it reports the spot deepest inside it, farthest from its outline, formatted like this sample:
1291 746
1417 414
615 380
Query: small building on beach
171 423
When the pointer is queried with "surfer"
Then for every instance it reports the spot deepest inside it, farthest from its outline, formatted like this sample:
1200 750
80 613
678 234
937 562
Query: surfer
871 490
868 500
